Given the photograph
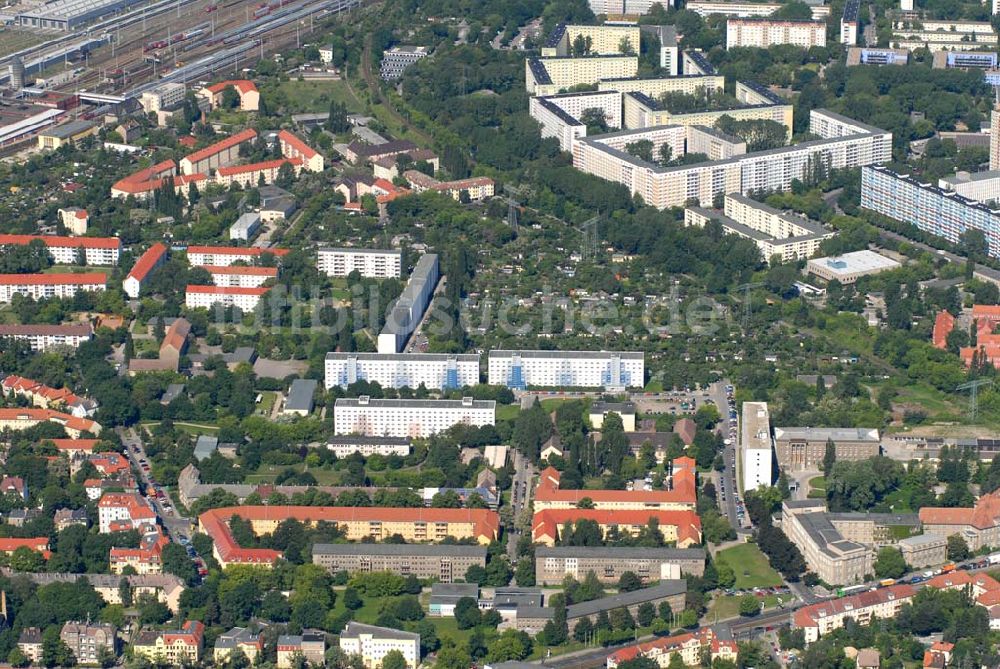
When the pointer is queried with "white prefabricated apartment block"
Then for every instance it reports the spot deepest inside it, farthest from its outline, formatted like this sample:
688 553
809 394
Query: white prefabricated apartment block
409 418
437 371
409 308
369 263
566 369
757 446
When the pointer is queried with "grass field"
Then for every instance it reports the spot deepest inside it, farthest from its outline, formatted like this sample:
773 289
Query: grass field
15 40
316 96
268 473
728 606
817 487
267 400
74 269
751 567
508 411
191 428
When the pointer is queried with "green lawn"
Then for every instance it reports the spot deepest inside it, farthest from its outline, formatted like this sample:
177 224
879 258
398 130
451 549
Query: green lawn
267 400
728 606
751 567
191 428
316 96
817 487
508 411
74 269
268 473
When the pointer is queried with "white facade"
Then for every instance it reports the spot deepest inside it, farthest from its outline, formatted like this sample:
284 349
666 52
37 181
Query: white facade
245 227
764 33
204 297
370 263
408 310
224 256
398 58
373 643
132 509
745 9
44 337
239 276
45 286
566 369
434 371
64 250
978 186
560 115
756 446
409 418
368 446
162 97
995 138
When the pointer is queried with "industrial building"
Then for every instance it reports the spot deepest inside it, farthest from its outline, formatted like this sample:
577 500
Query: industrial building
409 418
444 563
408 310
65 15
245 227
67 133
566 369
434 371
369 263
802 448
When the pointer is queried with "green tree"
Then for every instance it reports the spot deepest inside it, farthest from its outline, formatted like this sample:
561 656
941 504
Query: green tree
467 613
394 659
749 605
524 573
889 563
629 581
958 549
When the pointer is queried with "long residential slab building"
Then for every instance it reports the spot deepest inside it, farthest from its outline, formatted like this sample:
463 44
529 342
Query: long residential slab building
819 619
567 369
844 143
608 563
437 371
939 212
444 563
67 250
44 337
409 418
409 308
46 286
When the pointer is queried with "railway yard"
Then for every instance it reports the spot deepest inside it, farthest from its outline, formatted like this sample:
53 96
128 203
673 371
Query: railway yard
117 57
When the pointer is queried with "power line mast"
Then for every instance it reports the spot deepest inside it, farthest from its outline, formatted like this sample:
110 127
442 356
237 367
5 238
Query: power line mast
514 195
973 388
589 230
747 304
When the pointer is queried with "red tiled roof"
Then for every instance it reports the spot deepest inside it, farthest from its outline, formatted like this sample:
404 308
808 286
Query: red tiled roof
683 491
943 324
463 183
227 143
40 544
40 415
137 506
985 514
57 279
75 444
176 335
216 523
227 290
243 86
810 615
247 270
257 167
296 143
147 261
235 250
72 242
550 521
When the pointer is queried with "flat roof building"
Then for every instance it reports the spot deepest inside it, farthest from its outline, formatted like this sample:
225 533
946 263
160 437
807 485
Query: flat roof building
801 448
300 397
566 369
434 371
850 267
372 263
406 313
344 446
608 563
245 227
445 563
409 418
830 556
756 447
373 643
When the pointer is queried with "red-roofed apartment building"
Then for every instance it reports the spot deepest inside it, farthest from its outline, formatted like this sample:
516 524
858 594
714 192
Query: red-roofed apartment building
40 395
688 645
22 419
205 297
294 147
75 445
944 322
682 527
173 647
252 175
978 525
40 544
357 523
143 183
938 656
222 153
819 619
64 250
123 510
249 95
681 494
45 286
154 256
109 464
146 559
224 256
240 276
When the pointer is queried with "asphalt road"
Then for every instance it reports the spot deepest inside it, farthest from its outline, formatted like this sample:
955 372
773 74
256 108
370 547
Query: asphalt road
717 391
521 489
175 524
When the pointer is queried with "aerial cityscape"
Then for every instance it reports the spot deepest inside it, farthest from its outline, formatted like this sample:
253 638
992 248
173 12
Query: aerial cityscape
565 334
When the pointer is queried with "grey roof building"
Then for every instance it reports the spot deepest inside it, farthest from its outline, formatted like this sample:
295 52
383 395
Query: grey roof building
669 591
300 397
172 392
205 446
